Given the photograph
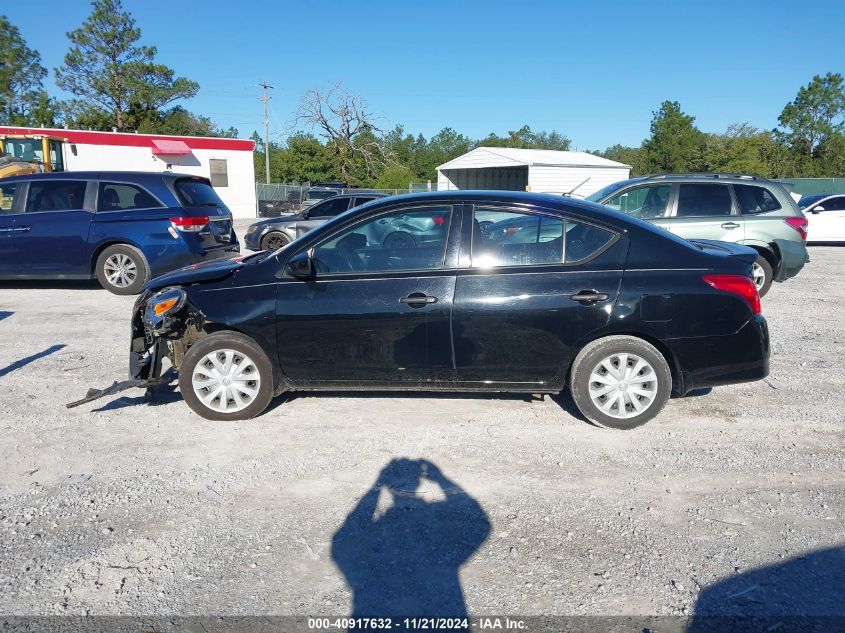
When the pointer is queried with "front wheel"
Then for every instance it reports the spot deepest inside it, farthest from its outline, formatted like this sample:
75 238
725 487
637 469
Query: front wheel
226 376
122 269
620 382
274 241
761 273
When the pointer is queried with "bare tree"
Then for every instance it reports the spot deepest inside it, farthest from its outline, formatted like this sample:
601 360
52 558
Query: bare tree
348 127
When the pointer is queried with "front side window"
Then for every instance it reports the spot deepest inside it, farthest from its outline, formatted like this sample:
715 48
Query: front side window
833 204
646 203
329 208
753 199
55 195
703 200
28 149
122 197
408 239
505 238
8 191
57 162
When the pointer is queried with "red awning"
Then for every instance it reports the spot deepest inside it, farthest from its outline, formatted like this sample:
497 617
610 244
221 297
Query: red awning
169 148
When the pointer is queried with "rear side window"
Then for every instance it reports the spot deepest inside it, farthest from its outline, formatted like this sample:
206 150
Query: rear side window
328 209
55 195
121 197
753 199
702 200
196 193
505 238
8 193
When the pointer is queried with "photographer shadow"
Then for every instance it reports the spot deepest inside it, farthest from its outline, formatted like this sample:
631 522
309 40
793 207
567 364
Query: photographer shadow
404 561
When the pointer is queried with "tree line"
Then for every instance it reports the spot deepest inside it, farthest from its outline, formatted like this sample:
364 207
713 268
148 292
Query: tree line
117 83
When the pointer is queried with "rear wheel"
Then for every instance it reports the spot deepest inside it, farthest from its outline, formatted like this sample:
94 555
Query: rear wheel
122 269
274 241
226 376
761 273
620 382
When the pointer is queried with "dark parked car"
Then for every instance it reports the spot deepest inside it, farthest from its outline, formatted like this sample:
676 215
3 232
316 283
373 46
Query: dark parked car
277 232
121 227
613 308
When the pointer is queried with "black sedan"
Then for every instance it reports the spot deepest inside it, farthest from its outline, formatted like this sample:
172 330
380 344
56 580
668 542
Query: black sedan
618 311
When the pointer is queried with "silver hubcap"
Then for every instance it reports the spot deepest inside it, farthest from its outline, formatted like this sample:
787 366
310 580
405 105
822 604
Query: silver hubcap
226 381
623 385
758 275
120 270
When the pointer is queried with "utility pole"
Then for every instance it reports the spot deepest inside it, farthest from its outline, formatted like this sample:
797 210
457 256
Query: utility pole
265 99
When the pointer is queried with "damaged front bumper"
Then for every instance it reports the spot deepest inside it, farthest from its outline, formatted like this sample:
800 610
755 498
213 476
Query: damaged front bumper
152 338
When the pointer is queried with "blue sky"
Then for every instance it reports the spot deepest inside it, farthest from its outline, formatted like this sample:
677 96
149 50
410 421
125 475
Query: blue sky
594 71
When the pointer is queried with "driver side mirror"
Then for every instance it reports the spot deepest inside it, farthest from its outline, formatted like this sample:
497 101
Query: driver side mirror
816 209
300 266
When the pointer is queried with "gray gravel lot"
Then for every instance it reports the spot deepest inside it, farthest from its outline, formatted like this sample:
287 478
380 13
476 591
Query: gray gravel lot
129 507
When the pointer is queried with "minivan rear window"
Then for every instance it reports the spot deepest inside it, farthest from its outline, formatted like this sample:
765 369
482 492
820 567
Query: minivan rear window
196 193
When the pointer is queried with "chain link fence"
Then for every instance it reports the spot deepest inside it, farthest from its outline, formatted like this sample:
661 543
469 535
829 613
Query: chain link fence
279 199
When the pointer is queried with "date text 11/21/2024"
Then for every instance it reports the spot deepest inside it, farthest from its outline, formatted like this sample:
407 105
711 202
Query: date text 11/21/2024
421 624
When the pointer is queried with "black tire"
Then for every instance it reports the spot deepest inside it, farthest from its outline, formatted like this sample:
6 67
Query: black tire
241 345
765 268
590 359
399 240
129 260
274 241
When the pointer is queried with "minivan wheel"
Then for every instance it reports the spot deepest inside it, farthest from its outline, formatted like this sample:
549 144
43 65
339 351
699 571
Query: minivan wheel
761 273
620 382
274 241
226 376
122 269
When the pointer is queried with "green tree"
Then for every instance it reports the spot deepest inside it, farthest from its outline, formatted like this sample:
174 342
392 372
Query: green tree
812 126
524 138
181 122
747 150
23 100
633 156
395 177
118 82
675 144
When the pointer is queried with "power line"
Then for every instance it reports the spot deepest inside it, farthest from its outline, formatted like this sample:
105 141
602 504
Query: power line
265 99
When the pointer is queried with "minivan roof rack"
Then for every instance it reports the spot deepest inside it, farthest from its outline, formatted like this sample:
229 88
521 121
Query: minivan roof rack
704 175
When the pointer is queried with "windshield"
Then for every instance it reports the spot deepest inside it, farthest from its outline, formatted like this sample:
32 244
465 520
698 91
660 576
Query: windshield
806 201
320 194
25 149
606 191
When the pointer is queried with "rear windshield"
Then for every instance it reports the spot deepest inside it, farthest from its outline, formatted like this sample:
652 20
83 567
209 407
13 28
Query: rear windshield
196 193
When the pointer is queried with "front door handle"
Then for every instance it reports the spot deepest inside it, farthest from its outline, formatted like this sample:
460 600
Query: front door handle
588 296
418 300
730 225
21 229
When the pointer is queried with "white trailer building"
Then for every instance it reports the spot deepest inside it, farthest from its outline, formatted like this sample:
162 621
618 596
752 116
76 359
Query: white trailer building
227 162
538 170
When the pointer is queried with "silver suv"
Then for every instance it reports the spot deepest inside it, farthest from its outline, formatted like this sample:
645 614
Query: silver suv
728 207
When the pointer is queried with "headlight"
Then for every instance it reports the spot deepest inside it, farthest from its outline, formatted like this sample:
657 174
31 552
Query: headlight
164 302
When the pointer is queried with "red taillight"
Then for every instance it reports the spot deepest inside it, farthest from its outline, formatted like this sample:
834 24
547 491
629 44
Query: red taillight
512 230
800 225
438 220
738 285
190 224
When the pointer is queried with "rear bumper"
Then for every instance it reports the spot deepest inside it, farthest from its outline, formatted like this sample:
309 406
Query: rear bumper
723 360
181 257
793 256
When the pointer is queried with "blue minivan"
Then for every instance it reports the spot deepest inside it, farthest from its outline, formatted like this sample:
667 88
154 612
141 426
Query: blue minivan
121 227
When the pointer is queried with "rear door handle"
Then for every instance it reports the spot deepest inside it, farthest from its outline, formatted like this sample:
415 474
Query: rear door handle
588 296
418 300
21 229
730 225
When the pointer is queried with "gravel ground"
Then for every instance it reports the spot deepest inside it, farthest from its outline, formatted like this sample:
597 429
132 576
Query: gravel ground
129 507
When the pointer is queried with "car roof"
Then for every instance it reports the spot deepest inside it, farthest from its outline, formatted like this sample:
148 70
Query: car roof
139 176
736 178
369 194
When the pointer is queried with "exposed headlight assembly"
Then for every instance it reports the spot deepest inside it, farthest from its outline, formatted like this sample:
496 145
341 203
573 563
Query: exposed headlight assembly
164 302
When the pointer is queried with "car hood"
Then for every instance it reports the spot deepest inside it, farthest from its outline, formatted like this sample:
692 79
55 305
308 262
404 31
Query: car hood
285 217
203 271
